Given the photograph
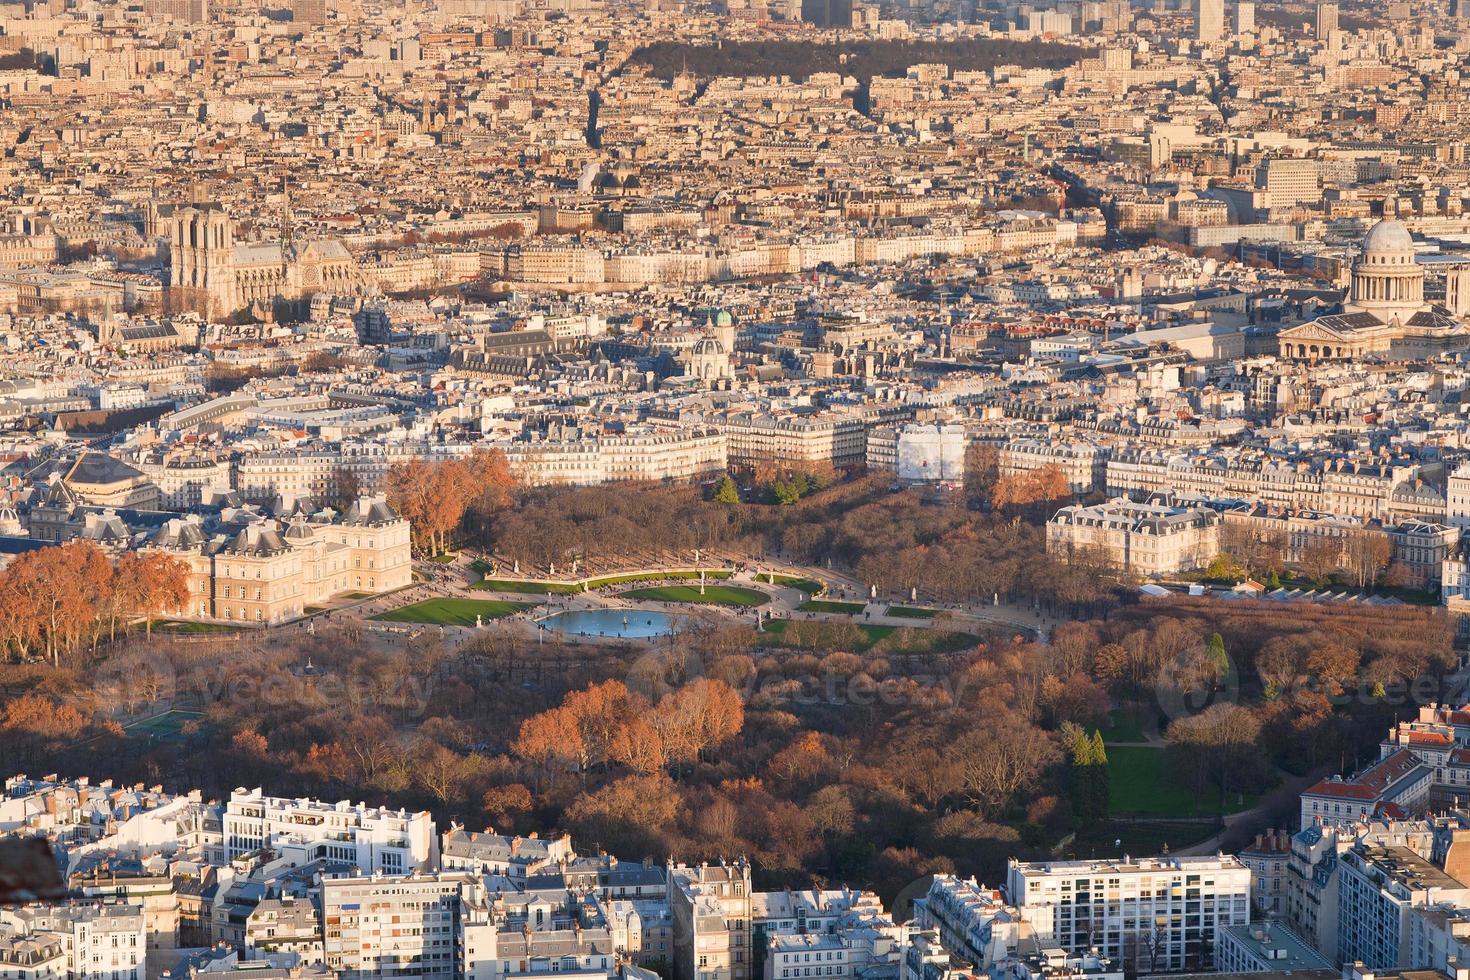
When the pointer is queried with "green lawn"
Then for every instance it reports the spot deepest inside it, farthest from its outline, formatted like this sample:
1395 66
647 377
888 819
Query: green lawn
453 612
1142 784
808 585
1096 839
445 559
866 637
828 606
564 588
912 612
712 575
1124 725
720 595
525 588
165 727
186 626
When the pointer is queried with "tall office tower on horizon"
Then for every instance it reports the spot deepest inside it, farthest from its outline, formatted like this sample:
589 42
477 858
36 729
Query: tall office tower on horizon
1209 21
1245 17
827 13
1117 16
1326 18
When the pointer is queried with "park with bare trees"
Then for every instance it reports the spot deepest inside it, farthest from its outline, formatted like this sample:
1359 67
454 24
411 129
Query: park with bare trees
824 751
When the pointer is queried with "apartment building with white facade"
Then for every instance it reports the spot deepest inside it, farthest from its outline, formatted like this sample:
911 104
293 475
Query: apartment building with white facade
431 926
98 942
1055 963
498 854
27 957
806 911
1085 466
843 954
711 905
1265 947
586 459
1397 785
373 839
1157 915
976 923
796 440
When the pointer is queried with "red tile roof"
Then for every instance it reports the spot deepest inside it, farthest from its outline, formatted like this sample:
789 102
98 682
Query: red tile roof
1372 782
1430 738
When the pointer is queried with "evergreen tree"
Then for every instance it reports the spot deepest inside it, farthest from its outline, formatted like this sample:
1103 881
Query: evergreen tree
1219 659
727 492
1102 790
1084 771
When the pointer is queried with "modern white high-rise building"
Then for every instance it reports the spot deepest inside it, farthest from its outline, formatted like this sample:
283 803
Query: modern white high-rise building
1156 915
434 927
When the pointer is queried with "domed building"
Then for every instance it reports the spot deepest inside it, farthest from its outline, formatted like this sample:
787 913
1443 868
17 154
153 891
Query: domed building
711 356
708 360
1385 312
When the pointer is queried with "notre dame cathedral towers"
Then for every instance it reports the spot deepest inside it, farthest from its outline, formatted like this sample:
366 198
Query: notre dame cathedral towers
219 276
202 260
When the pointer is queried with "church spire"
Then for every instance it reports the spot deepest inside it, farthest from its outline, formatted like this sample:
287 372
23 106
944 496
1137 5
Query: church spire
287 229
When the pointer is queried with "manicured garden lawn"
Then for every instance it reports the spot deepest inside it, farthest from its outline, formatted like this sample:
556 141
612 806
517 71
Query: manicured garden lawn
525 588
720 595
912 612
1124 725
453 612
827 606
808 585
564 588
712 575
185 626
446 559
1141 783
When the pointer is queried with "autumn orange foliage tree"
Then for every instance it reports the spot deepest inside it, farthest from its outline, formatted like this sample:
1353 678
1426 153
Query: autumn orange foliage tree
606 724
60 600
439 498
1017 490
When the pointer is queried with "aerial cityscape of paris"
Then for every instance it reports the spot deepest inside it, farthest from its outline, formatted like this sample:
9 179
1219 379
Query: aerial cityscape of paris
735 490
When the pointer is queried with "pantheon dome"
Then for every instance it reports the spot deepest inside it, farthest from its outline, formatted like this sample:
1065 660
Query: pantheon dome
1384 312
1387 280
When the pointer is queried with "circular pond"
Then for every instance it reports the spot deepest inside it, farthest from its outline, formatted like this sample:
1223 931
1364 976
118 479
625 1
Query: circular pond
628 624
